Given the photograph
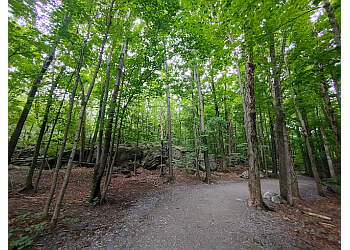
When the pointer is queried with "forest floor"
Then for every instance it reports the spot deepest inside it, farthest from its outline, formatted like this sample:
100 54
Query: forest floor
146 205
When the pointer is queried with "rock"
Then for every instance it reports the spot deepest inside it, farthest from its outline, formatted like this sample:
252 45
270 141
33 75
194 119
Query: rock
275 198
178 152
152 161
127 153
212 162
245 175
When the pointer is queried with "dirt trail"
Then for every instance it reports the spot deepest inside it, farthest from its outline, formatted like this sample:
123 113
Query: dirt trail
205 217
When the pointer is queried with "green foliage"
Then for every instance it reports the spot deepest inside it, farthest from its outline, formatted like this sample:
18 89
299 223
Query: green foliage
96 201
23 216
38 227
21 243
334 183
75 220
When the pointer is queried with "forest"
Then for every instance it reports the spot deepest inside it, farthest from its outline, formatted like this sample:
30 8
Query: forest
202 88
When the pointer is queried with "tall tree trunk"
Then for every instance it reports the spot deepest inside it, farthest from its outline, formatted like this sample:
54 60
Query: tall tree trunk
69 117
310 148
17 132
110 167
53 127
229 131
334 24
202 127
221 137
282 137
255 198
170 154
273 146
29 185
161 142
262 148
47 147
336 87
326 148
77 132
329 110
195 131
95 191
102 114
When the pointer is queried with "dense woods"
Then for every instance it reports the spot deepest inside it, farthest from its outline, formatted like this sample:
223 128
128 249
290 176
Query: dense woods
243 81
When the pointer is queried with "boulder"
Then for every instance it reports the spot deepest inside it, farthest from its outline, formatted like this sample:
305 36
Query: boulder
127 153
178 152
152 161
275 198
212 162
245 175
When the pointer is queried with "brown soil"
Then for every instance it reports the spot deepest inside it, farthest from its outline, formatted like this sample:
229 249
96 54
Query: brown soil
81 222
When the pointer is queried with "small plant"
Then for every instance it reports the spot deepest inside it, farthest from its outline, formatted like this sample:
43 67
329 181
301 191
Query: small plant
22 242
96 201
71 220
38 227
23 216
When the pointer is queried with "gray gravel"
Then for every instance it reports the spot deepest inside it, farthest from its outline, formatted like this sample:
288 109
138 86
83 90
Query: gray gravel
205 217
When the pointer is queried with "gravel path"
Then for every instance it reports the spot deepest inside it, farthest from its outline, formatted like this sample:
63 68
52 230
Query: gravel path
205 217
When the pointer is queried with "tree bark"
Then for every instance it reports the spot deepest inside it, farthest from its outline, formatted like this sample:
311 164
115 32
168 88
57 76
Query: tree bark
17 132
110 167
95 191
311 150
326 148
273 146
221 137
229 131
329 110
69 117
170 154
102 113
334 24
202 128
336 87
282 137
255 198
77 132
195 131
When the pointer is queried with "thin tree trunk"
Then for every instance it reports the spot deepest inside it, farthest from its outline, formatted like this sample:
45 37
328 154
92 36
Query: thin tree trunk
83 135
170 154
229 131
336 87
95 191
195 131
310 148
17 132
221 137
110 167
273 146
202 127
326 148
47 148
329 111
334 24
29 185
51 135
102 114
161 142
77 132
69 117
263 153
